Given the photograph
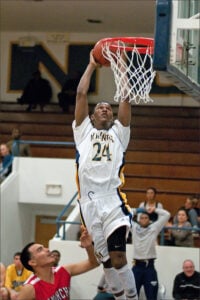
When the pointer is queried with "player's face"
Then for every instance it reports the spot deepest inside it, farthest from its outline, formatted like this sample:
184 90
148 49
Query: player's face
188 268
41 256
102 116
144 220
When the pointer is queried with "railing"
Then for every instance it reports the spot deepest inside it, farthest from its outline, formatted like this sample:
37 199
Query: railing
162 233
44 143
60 222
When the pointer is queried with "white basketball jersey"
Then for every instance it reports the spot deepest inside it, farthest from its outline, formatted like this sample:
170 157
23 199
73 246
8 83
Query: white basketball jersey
100 157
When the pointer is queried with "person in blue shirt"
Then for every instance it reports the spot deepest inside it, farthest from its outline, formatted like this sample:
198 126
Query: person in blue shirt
6 158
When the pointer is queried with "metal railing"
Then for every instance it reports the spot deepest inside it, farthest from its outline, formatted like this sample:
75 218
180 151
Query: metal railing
60 222
45 143
162 233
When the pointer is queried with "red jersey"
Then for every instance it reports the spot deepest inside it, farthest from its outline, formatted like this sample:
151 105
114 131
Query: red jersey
52 291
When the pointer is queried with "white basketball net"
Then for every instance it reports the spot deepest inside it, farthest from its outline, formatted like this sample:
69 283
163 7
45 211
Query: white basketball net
133 72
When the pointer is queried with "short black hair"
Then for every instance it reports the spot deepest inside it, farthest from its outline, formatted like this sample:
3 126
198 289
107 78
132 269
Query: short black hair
26 256
145 213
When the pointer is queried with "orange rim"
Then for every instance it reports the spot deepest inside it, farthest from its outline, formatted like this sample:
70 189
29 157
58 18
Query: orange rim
143 45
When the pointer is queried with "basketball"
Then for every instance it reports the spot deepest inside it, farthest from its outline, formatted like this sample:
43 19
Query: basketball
98 56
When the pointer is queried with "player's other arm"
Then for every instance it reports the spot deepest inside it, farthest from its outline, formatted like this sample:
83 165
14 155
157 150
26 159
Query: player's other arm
86 265
81 108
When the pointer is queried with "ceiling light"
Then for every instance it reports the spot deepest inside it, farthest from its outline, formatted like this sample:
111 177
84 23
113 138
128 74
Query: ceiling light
94 21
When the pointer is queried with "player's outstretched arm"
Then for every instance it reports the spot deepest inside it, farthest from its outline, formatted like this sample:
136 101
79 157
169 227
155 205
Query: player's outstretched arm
90 263
81 108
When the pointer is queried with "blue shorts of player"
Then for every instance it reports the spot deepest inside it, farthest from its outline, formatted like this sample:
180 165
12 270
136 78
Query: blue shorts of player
146 275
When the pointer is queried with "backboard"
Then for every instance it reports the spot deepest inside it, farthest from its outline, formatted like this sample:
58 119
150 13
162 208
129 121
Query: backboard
177 43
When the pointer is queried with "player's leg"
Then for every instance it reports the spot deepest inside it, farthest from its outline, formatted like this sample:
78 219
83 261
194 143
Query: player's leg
117 251
101 252
113 281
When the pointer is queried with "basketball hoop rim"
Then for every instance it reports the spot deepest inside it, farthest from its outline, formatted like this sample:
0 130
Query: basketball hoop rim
142 44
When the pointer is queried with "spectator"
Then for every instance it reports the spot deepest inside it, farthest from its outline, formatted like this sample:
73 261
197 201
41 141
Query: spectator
7 159
187 284
48 282
103 291
16 275
192 214
144 251
3 290
67 96
37 92
151 203
15 148
182 237
56 255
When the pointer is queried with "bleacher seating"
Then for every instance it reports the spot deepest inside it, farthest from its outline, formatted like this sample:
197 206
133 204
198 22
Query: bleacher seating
163 151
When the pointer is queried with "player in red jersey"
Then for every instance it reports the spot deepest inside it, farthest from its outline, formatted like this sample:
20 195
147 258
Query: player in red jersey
48 282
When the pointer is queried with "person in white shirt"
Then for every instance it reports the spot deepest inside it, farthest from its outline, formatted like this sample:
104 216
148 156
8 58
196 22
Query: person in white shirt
145 235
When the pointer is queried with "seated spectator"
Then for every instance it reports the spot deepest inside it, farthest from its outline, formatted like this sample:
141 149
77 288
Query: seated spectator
67 96
103 291
192 215
187 284
37 92
151 203
16 275
57 255
3 290
182 237
6 158
15 148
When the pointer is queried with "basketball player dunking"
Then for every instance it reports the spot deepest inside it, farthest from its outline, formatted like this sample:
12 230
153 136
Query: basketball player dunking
101 143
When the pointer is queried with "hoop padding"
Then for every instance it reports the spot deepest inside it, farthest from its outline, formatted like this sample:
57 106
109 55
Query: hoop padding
132 66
